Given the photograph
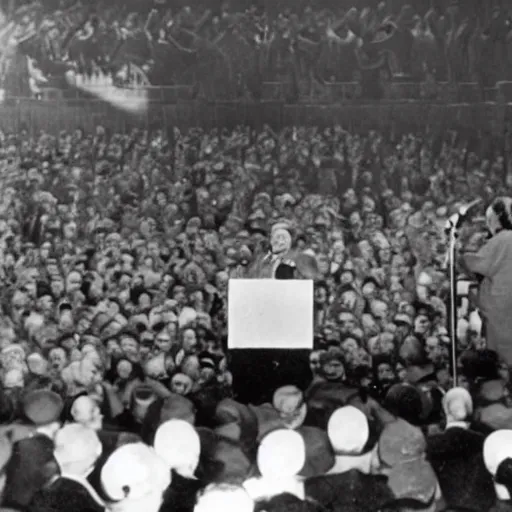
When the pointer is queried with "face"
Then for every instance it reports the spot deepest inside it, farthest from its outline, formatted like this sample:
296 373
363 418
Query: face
281 241
88 413
91 372
179 295
45 304
333 370
144 301
379 311
401 372
320 295
20 302
421 325
350 346
347 322
73 282
58 359
385 373
163 342
314 362
191 367
349 299
190 341
347 277
493 224
369 290
433 348
69 343
130 348
124 370
385 256
179 385
113 348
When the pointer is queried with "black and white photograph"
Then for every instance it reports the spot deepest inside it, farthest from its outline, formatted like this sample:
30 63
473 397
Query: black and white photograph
255 255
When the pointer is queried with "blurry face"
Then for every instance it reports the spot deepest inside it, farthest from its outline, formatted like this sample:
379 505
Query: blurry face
333 370
130 348
280 241
385 373
355 220
350 346
401 372
73 282
349 299
189 342
113 348
179 295
421 325
323 264
20 302
314 362
191 367
433 348
347 277
58 359
369 290
145 301
320 295
493 224
379 310
45 304
347 322
163 342
91 372
124 370
179 385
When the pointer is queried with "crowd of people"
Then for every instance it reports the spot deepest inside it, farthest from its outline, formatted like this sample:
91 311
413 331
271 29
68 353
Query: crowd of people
117 389
231 49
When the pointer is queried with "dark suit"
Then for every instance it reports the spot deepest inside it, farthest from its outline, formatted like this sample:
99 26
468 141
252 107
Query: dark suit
64 495
456 456
351 491
30 467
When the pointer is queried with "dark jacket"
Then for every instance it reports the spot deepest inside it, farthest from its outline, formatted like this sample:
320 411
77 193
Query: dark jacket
456 456
180 496
30 467
64 495
351 491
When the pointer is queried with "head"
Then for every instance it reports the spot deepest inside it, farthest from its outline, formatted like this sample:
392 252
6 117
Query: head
77 448
499 215
280 241
314 361
181 384
497 449
178 444
86 412
348 431
457 405
224 497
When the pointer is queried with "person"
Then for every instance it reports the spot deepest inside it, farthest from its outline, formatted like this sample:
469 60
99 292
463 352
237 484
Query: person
493 262
456 456
32 464
77 449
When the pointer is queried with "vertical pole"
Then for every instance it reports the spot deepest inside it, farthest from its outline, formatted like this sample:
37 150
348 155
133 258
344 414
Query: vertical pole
453 304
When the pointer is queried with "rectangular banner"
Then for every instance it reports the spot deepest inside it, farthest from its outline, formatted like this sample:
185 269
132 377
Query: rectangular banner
270 313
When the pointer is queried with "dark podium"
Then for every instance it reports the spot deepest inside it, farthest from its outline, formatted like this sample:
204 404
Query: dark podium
257 373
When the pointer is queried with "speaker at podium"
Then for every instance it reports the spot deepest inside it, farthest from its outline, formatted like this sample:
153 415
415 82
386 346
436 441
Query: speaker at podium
270 336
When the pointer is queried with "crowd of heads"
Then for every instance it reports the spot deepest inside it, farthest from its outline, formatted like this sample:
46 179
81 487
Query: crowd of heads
116 256
231 49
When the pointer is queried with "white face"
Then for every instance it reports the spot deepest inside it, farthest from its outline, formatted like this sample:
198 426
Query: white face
492 221
281 241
